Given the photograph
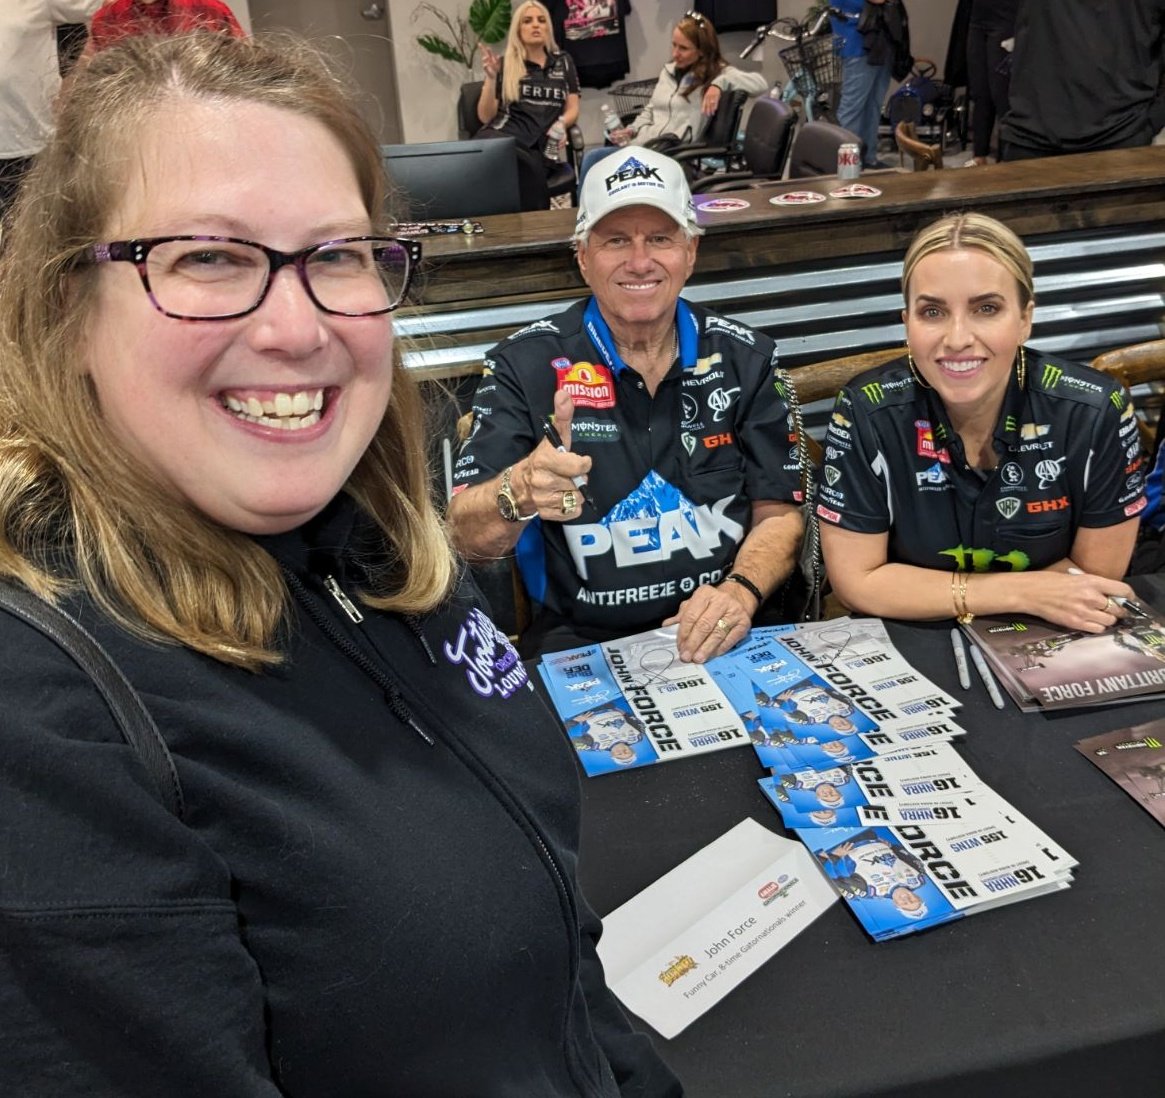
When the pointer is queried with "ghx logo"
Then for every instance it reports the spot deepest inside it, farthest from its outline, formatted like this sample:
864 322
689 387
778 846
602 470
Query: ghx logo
712 441
1038 506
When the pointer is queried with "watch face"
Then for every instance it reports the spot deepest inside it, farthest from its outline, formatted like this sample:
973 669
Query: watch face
507 507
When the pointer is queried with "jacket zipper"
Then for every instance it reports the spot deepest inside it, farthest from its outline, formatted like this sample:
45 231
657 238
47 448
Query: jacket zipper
357 655
346 604
401 710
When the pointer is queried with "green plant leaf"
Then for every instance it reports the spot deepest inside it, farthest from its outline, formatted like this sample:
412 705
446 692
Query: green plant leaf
435 44
490 19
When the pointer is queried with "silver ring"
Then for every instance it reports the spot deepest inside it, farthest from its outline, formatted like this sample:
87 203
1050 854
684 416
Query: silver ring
569 501
723 627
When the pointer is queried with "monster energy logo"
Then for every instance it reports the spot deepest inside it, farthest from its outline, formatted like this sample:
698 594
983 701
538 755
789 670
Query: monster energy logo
940 431
979 560
780 389
1052 375
1152 741
1117 398
1009 423
873 392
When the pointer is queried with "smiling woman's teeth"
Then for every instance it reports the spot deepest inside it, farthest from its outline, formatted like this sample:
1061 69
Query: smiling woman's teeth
287 411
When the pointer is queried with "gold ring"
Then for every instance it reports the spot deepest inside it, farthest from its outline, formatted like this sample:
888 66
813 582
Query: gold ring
1109 605
723 627
569 501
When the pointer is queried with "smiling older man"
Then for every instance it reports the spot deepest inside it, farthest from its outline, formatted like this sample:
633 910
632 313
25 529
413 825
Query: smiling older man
638 451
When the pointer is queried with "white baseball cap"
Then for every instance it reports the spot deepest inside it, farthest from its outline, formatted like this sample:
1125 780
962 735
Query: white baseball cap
635 176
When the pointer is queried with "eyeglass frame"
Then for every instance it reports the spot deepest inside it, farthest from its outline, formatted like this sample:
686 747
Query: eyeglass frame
137 251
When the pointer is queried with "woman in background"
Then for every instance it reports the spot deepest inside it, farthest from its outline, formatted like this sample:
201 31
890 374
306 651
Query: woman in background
529 92
209 457
977 476
689 88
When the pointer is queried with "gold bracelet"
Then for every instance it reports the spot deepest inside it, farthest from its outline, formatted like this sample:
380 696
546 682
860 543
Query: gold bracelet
955 592
965 617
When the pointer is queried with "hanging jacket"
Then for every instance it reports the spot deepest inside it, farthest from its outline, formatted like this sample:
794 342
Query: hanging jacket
885 29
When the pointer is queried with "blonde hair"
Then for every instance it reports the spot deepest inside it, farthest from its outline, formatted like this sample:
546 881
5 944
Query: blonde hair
514 60
68 487
972 230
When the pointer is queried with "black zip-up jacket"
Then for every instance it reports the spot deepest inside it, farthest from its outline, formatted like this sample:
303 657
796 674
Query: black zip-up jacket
372 892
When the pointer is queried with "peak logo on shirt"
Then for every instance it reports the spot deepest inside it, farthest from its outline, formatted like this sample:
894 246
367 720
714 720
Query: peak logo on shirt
654 523
589 384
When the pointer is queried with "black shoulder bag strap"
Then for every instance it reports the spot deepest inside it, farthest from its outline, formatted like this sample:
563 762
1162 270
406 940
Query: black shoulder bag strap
134 720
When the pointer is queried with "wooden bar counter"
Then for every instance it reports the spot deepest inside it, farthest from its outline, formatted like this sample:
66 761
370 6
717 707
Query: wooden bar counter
822 278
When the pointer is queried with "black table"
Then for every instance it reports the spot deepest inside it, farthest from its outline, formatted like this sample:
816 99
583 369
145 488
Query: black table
1060 995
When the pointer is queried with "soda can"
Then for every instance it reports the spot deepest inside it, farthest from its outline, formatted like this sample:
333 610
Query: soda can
849 161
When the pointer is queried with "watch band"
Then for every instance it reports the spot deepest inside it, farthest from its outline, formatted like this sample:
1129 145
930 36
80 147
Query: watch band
747 584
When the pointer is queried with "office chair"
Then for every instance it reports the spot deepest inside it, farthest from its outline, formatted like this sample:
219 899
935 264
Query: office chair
767 135
562 178
921 154
814 150
718 141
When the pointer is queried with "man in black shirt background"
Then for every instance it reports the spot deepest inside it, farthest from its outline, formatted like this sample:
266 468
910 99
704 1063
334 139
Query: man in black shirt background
1086 76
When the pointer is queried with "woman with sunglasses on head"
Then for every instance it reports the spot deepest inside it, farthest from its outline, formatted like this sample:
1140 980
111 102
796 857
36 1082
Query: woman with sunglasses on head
977 475
529 92
211 460
689 88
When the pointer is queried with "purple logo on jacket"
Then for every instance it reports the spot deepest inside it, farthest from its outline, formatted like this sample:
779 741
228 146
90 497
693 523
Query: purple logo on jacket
491 662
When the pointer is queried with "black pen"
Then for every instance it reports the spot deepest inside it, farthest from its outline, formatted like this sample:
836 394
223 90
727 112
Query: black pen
580 482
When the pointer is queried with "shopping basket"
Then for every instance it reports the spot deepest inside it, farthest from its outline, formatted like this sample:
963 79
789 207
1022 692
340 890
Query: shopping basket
815 71
631 97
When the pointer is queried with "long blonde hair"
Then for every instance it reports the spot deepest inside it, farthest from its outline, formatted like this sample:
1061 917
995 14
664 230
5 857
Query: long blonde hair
514 60
68 487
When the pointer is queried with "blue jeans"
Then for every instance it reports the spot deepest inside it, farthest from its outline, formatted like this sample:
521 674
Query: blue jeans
863 91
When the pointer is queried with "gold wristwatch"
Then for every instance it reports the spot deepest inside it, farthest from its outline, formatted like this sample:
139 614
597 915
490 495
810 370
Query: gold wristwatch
508 502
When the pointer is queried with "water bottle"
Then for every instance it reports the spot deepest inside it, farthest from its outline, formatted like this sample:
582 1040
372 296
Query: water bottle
554 138
611 123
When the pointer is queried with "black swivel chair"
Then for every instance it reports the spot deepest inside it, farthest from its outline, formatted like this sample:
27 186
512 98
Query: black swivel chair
767 134
562 178
718 142
815 148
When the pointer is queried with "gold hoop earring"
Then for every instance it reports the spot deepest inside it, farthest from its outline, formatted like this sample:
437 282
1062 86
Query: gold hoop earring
914 371
1021 368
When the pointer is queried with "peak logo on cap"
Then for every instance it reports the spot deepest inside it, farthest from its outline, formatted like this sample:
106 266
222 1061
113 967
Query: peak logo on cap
640 177
630 171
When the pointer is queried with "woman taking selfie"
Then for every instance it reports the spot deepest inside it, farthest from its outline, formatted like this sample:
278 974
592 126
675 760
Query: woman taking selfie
978 476
210 461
